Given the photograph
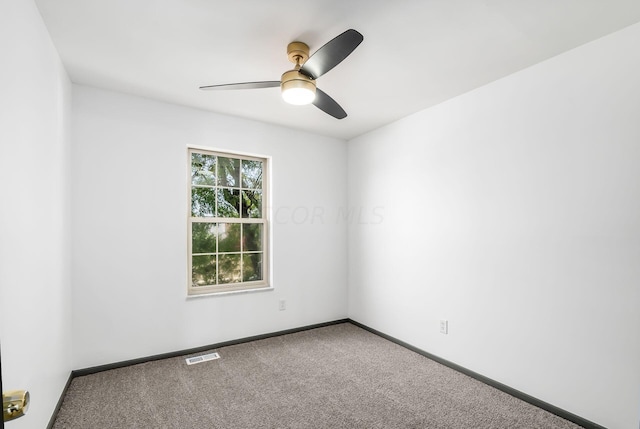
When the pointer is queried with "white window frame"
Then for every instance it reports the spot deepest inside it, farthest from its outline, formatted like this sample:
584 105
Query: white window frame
264 220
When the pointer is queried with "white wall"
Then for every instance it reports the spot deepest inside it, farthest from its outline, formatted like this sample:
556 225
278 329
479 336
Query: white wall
35 294
129 229
513 211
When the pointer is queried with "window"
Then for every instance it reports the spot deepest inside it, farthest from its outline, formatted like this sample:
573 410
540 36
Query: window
227 224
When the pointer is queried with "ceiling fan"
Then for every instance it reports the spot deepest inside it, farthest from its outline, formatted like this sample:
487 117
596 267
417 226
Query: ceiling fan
298 85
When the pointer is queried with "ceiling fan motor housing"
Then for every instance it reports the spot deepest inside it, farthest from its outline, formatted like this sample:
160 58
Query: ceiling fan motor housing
293 81
297 88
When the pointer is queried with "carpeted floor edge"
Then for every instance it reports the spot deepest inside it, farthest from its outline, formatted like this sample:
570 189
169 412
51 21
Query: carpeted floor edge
587 424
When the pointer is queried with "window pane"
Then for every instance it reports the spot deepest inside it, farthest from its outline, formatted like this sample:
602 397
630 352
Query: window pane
203 270
252 204
252 174
228 225
203 169
228 203
229 172
251 237
203 237
229 269
202 202
229 237
251 266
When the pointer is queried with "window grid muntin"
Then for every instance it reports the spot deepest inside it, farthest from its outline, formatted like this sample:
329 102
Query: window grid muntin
218 252
241 285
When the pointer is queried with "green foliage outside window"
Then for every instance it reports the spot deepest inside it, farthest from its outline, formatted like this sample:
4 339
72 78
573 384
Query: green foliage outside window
227 220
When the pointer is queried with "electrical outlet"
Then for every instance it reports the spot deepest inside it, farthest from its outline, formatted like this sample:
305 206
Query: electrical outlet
444 327
282 305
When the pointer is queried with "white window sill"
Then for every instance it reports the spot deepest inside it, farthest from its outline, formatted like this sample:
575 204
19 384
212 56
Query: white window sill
230 292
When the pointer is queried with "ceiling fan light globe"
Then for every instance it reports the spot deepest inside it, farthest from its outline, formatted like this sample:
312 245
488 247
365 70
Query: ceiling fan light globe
297 88
298 96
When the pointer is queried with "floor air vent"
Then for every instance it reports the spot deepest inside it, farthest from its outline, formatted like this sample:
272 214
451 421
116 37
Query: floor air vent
202 358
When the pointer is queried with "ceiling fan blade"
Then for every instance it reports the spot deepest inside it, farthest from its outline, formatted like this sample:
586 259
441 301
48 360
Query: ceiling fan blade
244 85
331 54
328 105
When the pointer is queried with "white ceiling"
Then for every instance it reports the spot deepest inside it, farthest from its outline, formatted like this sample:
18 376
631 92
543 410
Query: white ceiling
415 54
